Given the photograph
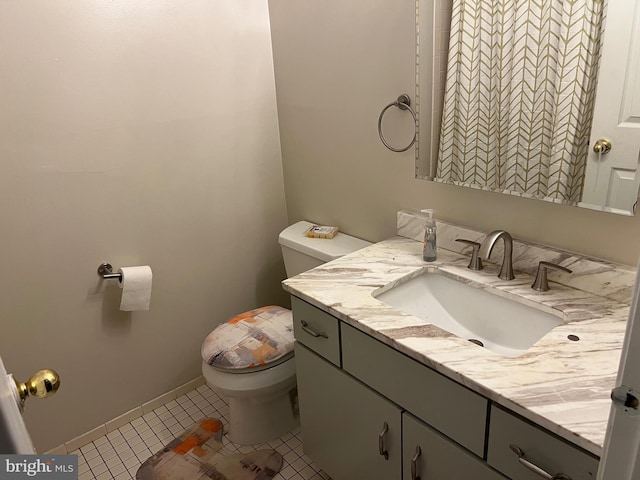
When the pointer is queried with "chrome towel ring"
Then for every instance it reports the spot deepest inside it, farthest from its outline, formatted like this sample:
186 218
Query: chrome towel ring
403 103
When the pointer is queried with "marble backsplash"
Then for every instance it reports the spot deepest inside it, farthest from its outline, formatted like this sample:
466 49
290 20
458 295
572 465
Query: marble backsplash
599 277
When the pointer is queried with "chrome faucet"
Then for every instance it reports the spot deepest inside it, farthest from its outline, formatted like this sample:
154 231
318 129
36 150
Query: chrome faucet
486 247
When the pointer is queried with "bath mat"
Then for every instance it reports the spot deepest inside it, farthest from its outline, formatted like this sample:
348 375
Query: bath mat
197 454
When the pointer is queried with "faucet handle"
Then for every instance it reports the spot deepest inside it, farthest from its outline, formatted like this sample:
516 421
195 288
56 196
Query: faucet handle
476 261
540 283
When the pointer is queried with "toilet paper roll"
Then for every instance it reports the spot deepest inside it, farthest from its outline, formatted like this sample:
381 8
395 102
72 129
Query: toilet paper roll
136 288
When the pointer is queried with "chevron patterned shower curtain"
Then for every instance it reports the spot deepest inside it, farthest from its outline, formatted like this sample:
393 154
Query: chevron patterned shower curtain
519 96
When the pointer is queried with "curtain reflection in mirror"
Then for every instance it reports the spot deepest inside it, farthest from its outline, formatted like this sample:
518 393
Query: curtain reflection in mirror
520 89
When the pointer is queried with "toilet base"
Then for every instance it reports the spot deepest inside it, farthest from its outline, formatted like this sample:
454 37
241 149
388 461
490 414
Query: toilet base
262 404
253 421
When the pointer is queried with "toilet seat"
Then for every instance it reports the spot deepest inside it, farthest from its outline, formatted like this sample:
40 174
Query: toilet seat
256 368
252 341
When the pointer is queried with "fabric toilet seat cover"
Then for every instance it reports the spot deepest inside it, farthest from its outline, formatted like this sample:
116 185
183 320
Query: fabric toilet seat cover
250 340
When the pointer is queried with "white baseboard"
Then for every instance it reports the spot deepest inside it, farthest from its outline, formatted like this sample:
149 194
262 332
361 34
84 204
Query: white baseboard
126 417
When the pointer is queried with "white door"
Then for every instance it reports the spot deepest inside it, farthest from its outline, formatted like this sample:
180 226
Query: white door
621 459
14 437
617 118
612 179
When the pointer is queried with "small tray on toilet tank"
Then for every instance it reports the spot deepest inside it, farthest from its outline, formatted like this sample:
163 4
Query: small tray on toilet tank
324 249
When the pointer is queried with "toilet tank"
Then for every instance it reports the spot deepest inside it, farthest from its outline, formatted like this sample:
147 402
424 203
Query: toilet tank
302 253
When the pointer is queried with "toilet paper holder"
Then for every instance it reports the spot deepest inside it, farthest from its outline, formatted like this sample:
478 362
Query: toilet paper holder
105 270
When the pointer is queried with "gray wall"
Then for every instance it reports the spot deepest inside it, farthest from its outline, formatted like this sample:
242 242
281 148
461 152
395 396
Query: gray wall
337 64
139 133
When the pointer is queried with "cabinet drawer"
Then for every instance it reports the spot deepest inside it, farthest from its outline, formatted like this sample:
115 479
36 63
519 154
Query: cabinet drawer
438 458
540 447
442 403
316 329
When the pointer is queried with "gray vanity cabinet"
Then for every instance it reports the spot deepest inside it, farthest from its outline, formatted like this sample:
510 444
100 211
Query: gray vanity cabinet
431 456
360 398
347 427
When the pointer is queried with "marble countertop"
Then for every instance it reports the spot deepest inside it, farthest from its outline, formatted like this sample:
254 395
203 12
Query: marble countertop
560 384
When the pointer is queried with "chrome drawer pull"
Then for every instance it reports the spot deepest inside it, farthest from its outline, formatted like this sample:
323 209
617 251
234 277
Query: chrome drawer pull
414 464
313 333
381 449
534 468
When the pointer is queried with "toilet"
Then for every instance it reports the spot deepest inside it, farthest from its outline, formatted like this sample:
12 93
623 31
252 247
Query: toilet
249 358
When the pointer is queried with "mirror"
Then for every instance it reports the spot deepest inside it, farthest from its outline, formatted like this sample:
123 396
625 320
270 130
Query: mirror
562 153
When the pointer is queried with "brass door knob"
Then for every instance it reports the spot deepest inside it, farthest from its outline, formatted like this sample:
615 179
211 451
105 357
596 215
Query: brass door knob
42 384
602 146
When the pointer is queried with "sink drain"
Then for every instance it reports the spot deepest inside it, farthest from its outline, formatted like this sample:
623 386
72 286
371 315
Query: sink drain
476 341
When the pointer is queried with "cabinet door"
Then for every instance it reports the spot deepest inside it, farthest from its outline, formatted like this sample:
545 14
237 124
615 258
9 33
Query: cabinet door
439 458
342 422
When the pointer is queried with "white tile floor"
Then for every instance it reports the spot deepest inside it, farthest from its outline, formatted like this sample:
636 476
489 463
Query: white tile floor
117 455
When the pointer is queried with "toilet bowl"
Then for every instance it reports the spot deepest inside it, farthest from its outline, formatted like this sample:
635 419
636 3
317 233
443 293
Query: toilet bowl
249 359
261 404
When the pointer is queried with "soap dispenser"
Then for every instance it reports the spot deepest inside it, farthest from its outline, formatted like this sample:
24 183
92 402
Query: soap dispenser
429 247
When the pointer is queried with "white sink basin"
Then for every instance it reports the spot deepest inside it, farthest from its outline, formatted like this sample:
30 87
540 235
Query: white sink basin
501 325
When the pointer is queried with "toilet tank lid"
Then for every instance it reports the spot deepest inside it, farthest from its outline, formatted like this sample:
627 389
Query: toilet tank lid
325 249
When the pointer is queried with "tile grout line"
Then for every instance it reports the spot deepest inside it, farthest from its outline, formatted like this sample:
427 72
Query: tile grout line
200 402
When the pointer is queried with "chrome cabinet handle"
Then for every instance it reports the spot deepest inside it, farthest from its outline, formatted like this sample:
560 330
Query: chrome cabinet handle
313 333
534 468
414 464
381 449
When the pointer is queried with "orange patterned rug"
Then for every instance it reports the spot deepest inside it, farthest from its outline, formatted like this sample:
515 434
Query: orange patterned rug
198 454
